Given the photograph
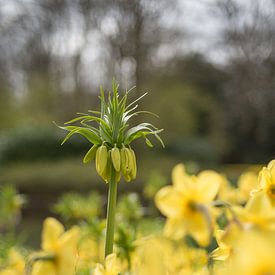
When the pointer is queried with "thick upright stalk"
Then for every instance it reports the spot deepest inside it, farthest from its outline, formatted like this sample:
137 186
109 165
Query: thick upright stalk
111 211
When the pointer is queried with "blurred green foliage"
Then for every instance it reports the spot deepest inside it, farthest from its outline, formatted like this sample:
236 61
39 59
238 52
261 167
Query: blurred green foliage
32 143
11 204
129 208
155 181
73 207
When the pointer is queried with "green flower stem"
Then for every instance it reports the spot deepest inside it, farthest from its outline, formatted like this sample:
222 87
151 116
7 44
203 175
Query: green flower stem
111 211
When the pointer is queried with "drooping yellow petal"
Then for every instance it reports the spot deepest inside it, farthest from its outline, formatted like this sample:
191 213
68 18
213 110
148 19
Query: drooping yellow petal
199 228
169 202
208 185
259 204
247 182
52 230
174 229
44 268
258 212
254 255
66 261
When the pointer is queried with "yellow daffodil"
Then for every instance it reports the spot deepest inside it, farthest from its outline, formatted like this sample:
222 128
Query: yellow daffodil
168 257
246 183
267 181
59 245
15 265
254 255
227 192
112 266
226 239
186 204
89 252
222 252
146 262
258 212
185 260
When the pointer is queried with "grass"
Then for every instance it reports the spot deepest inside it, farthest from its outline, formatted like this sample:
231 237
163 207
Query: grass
71 174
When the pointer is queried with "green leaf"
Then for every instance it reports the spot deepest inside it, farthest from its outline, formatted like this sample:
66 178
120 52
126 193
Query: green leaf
77 119
138 128
86 132
148 142
135 101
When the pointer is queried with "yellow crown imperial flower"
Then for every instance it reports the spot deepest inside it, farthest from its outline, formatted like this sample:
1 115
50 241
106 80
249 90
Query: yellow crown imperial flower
113 134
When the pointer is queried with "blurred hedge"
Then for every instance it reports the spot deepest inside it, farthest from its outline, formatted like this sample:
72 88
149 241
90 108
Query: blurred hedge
30 144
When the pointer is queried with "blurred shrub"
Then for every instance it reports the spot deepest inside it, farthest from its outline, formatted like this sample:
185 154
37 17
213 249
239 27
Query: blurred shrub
72 206
37 143
153 184
11 204
129 208
197 149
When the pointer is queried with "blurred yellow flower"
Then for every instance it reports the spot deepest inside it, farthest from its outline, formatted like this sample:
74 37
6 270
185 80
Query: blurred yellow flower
168 257
88 253
112 266
254 255
267 181
61 245
186 204
246 183
258 212
226 239
146 262
16 264
226 191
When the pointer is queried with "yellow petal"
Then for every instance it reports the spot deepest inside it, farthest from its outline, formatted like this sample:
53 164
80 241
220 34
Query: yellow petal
220 253
174 229
44 268
199 228
178 174
9 271
259 204
180 179
52 230
67 254
265 179
208 184
16 260
271 168
112 264
219 233
99 270
169 202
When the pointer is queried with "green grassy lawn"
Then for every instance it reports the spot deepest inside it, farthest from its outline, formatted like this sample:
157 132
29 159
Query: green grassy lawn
71 174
